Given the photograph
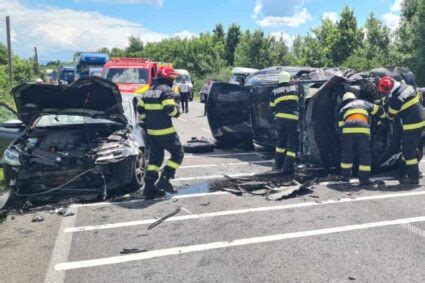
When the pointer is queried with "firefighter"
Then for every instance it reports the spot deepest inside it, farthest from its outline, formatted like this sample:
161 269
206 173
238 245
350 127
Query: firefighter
157 106
284 103
355 124
403 101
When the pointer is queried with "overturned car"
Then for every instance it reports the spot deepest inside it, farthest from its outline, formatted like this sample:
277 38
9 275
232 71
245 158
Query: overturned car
78 139
239 114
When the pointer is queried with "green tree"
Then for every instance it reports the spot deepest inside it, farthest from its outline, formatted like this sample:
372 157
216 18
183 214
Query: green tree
3 54
253 50
218 33
232 40
135 47
348 38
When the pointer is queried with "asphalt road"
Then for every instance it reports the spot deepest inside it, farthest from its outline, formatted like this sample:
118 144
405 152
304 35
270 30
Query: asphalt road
336 233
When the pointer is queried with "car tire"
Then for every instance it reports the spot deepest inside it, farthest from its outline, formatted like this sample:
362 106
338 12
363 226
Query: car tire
138 179
198 146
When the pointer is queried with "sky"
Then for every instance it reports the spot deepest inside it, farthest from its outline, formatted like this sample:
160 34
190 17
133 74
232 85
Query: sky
61 27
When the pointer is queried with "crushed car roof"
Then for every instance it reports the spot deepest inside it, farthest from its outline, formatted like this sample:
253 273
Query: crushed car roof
93 96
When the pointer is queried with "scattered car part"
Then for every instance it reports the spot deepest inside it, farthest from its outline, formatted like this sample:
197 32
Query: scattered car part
162 219
37 219
196 145
132 251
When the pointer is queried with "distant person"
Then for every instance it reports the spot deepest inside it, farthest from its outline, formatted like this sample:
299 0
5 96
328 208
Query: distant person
204 95
184 95
39 81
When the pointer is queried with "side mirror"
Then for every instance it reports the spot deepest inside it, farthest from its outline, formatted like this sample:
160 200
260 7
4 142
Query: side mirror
13 124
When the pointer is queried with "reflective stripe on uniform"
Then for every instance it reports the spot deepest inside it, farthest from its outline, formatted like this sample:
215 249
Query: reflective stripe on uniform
280 150
173 164
355 111
142 103
375 109
284 98
340 123
365 168
174 113
383 116
411 162
414 126
153 106
356 131
392 111
346 165
167 102
410 103
152 167
161 132
142 89
290 154
286 116
142 116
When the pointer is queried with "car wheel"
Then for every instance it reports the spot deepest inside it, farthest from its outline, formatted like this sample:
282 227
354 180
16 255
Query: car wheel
198 146
138 179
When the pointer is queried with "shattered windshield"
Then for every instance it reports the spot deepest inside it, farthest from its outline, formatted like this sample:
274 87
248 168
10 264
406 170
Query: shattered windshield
127 75
53 120
180 79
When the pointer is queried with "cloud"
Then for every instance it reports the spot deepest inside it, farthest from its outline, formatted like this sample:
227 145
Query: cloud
296 20
277 13
148 2
59 32
185 34
396 6
391 20
332 16
288 39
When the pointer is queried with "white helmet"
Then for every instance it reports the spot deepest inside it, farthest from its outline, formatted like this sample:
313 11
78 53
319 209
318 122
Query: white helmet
284 78
349 96
38 81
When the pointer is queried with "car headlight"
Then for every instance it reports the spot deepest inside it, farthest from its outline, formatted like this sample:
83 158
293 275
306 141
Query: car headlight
11 157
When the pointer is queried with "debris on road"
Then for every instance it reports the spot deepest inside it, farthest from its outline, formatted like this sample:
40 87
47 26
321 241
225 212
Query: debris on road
132 251
205 203
162 219
38 219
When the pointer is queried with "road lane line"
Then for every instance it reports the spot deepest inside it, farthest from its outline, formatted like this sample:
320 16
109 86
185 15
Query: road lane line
186 210
215 177
242 211
232 243
414 229
61 249
223 154
226 164
181 119
206 130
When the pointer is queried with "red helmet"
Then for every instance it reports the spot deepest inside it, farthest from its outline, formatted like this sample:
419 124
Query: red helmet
385 85
167 72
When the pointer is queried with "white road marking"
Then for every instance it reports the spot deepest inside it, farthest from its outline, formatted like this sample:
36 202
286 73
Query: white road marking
232 243
188 155
243 211
186 210
107 203
214 177
61 249
181 119
414 229
206 130
226 164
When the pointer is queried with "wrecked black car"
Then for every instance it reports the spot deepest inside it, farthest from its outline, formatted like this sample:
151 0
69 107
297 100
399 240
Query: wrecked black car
83 138
241 114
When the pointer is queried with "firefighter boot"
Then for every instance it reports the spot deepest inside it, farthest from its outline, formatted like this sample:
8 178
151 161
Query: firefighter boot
164 181
278 164
149 190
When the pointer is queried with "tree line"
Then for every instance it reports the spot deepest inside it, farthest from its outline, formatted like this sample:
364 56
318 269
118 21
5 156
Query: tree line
211 55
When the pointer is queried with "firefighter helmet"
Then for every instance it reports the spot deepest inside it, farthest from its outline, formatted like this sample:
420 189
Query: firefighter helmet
385 85
349 96
167 72
284 78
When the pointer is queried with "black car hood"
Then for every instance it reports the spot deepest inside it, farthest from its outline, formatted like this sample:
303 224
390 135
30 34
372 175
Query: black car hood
94 97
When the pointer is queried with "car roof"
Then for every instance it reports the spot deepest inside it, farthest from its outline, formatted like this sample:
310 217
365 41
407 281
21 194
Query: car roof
242 70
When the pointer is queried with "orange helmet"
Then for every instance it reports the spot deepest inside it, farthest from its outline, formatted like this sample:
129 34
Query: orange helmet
385 85
167 72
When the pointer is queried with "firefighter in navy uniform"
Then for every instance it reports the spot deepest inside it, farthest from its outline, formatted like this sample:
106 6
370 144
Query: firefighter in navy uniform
355 124
157 107
284 103
403 101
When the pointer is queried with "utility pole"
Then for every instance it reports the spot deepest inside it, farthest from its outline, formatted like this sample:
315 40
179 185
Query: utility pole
36 60
9 49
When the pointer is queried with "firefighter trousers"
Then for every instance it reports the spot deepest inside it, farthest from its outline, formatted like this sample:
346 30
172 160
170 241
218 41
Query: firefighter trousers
352 146
287 144
410 143
158 144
